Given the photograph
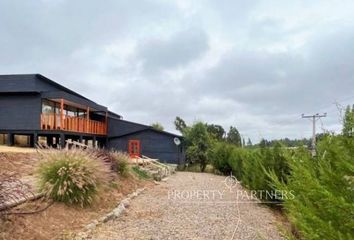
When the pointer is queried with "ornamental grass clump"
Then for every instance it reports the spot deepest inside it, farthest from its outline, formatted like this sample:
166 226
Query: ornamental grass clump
120 163
71 176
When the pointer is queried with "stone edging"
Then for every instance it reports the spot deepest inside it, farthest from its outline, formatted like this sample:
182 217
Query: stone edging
115 213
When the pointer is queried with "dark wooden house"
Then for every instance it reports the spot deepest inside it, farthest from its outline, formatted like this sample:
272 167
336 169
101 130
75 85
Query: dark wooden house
34 106
145 139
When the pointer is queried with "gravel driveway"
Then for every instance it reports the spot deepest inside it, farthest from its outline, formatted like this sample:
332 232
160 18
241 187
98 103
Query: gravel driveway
192 206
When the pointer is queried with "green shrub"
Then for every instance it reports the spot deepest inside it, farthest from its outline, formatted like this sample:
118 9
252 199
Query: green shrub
220 155
198 142
320 190
324 190
253 172
195 167
120 163
236 161
250 166
141 173
253 165
71 176
181 167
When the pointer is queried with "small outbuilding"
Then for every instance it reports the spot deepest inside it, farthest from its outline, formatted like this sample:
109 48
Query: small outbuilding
139 139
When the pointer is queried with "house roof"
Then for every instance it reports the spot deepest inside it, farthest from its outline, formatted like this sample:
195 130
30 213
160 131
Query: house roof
34 88
142 129
61 87
114 115
20 83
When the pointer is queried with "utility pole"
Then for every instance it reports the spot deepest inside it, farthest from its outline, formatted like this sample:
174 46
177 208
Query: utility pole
314 118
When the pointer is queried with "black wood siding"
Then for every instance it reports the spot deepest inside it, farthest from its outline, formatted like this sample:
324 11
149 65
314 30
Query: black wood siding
118 127
18 83
20 111
153 144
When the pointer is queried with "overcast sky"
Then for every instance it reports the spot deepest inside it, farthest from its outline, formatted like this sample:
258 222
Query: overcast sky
256 65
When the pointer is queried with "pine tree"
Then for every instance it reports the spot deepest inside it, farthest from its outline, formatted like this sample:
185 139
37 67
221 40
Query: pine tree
233 136
216 131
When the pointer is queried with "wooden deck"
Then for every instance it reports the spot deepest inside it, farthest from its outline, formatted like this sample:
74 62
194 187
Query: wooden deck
53 121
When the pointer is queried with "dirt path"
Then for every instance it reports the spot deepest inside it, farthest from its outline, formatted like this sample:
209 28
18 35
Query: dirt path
192 206
17 149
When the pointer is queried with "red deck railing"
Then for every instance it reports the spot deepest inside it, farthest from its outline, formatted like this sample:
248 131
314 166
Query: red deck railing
52 121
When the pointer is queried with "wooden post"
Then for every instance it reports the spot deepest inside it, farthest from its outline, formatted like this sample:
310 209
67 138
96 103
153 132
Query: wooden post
10 139
62 141
33 140
87 119
94 145
61 114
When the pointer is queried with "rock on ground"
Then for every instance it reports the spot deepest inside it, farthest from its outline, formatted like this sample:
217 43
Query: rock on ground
192 206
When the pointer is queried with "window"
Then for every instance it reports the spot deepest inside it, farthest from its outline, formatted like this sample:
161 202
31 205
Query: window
54 107
70 111
81 113
3 138
57 108
22 140
48 106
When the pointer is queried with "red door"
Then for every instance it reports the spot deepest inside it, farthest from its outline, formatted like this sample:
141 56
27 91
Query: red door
134 148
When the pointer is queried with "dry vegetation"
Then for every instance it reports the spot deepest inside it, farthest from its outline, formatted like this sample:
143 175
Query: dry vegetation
59 220
20 164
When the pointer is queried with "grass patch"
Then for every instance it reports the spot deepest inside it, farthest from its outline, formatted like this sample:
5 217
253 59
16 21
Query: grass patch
195 167
114 185
142 174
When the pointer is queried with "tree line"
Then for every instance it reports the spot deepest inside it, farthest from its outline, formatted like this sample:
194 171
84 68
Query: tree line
199 138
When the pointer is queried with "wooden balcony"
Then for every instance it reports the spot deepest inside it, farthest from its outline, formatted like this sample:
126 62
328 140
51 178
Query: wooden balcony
53 121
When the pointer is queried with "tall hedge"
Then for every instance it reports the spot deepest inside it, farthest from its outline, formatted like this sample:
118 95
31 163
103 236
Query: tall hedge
323 207
323 187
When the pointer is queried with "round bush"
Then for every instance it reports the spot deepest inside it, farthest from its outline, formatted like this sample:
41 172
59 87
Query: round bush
71 176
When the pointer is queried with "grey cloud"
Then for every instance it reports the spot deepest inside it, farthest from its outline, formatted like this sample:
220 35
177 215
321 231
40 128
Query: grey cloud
168 72
176 51
286 81
268 30
240 69
233 13
43 30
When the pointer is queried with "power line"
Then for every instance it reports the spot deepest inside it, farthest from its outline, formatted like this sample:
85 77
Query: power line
322 126
335 101
314 118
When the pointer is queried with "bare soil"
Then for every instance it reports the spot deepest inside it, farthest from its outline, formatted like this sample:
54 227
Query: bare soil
17 149
59 221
